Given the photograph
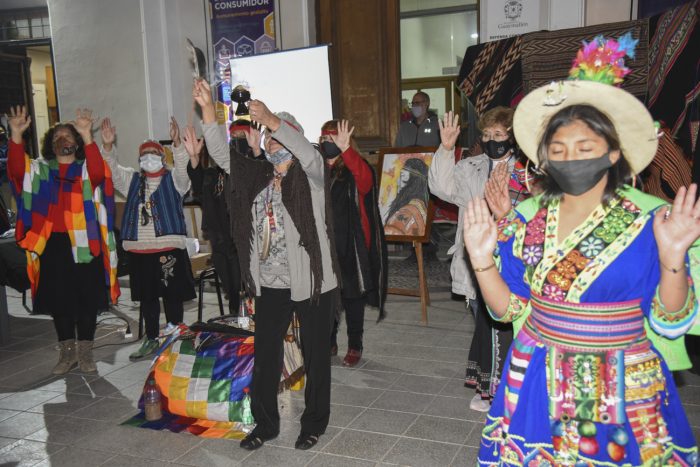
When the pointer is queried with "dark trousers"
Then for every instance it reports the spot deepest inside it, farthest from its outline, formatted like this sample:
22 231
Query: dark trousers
273 313
225 260
66 324
354 320
71 292
150 309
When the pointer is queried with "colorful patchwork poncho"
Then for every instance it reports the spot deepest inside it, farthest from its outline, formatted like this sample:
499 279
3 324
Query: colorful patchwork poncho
90 220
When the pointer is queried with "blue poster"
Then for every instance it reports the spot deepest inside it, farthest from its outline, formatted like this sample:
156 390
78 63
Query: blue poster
240 28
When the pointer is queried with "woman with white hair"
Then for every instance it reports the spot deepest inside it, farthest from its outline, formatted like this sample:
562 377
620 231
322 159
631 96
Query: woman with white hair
284 237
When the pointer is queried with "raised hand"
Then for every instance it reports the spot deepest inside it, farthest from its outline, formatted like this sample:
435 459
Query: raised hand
201 92
342 139
254 137
480 233
108 133
19 120
193 146
259 113
496 191
449 130
677 228
174 132
83 124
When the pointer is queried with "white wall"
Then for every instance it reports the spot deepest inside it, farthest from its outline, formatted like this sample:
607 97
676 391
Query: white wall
126 59
607 11
295 23
99 63
565 14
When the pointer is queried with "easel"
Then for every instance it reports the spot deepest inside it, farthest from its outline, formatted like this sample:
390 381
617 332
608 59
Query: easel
422 290
417 242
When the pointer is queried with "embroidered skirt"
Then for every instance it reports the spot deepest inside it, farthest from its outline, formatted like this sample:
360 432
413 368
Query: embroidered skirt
487 352
584 386
166 274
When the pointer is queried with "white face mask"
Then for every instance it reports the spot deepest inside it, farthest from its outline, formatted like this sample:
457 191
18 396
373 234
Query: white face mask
151 163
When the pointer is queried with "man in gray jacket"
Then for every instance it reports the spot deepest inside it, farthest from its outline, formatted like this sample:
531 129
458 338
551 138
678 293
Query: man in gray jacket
287 259
422 129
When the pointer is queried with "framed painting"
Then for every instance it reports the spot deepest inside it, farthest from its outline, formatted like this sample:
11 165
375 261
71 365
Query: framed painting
404 196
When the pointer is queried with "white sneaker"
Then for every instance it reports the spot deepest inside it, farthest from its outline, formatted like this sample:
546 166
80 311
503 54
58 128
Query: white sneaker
168 329
479 404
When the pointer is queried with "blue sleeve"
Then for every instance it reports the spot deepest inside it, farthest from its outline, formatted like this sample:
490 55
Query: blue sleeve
512 267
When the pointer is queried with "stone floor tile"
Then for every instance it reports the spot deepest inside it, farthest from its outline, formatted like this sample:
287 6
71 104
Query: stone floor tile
328 460
447 430
26 453
455 388
403 401
143 443
420 384
348 395
361 445
21 425
474 437
107 409
274 455
133 461
371 379
72 456
383 421
65 404
211 452
454 407
4 442
68 430
466 457
343 415
5 414
420 452
26 400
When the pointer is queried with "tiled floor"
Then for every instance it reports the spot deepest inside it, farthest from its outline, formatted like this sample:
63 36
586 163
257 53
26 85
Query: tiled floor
404 405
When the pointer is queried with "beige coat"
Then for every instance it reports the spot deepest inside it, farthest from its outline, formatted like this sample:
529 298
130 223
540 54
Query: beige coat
458 183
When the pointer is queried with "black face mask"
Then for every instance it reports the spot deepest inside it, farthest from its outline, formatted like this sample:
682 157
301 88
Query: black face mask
497 149
240 145
329 150
577 177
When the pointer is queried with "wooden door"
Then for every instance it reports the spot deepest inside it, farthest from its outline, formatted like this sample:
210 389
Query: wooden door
365 66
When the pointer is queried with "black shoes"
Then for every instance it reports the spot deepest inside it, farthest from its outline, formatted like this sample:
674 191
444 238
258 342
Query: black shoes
253 441
306 441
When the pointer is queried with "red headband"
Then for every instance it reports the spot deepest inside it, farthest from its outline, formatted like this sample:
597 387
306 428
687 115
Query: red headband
235 127
329 132
151 145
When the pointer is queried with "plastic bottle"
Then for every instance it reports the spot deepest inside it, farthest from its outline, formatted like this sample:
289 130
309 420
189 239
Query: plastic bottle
247 413
151 401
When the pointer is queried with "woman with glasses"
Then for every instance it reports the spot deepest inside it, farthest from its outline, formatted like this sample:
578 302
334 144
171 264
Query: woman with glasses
458 183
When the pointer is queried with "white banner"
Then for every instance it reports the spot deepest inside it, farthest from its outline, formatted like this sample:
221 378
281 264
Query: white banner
501 19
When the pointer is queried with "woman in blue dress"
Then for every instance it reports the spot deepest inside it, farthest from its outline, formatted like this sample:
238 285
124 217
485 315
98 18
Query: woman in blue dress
596 277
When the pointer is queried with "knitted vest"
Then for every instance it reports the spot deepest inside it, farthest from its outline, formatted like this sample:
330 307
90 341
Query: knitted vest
166 209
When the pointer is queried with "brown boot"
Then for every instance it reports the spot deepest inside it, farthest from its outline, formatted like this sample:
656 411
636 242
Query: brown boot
67 357
85 361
